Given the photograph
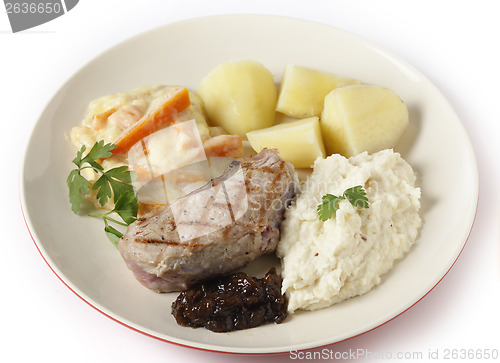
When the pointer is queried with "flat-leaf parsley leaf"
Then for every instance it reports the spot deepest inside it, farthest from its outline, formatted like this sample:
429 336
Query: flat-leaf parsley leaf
357 196
115 182
78 186
330 203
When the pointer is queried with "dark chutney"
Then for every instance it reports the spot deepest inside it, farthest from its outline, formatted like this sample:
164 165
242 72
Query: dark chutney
233 302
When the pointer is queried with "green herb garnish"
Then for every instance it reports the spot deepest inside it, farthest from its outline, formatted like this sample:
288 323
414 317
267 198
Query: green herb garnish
330 203
116 183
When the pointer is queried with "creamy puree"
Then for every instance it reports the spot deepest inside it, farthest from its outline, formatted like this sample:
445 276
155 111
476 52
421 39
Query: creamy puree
327 262
125 108
109 117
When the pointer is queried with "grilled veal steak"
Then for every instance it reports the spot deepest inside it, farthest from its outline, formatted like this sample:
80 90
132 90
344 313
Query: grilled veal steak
214 230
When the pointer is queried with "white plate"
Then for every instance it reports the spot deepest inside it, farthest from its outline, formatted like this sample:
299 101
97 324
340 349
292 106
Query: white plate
77 250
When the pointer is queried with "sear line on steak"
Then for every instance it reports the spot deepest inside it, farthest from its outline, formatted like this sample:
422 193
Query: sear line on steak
214 230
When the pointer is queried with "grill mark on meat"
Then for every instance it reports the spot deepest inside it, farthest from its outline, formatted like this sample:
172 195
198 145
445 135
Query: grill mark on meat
169 243
269 169
229 206
169 256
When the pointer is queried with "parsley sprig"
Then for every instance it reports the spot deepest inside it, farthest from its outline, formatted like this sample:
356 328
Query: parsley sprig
330 203
115 183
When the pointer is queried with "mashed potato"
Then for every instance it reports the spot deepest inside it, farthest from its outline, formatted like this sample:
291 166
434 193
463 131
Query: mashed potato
327 262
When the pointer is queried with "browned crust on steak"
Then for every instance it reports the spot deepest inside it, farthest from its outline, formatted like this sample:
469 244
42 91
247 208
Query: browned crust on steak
212 233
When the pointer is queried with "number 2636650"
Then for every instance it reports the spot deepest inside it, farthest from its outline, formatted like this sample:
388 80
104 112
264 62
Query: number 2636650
33 8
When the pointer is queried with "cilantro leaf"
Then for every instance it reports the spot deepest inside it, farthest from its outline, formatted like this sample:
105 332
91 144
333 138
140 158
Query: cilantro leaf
120 180
113 234
357 196
330 203
78 159
100 150
104 191
116 183
329 206
78 187
126 207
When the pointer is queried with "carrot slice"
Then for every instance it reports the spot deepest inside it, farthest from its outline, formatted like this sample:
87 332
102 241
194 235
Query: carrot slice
153 121
100 119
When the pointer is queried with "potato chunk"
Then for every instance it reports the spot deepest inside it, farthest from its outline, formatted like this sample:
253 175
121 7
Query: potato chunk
362 118
298 142
240 96
303 90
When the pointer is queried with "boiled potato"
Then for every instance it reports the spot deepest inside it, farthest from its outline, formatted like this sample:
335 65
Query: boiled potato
303 90
240 96
281 118
298 142
362 118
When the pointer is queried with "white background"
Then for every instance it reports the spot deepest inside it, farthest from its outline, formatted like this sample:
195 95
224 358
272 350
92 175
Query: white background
455 43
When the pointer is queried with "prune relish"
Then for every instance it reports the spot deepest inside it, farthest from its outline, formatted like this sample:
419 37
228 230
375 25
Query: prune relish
233 302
